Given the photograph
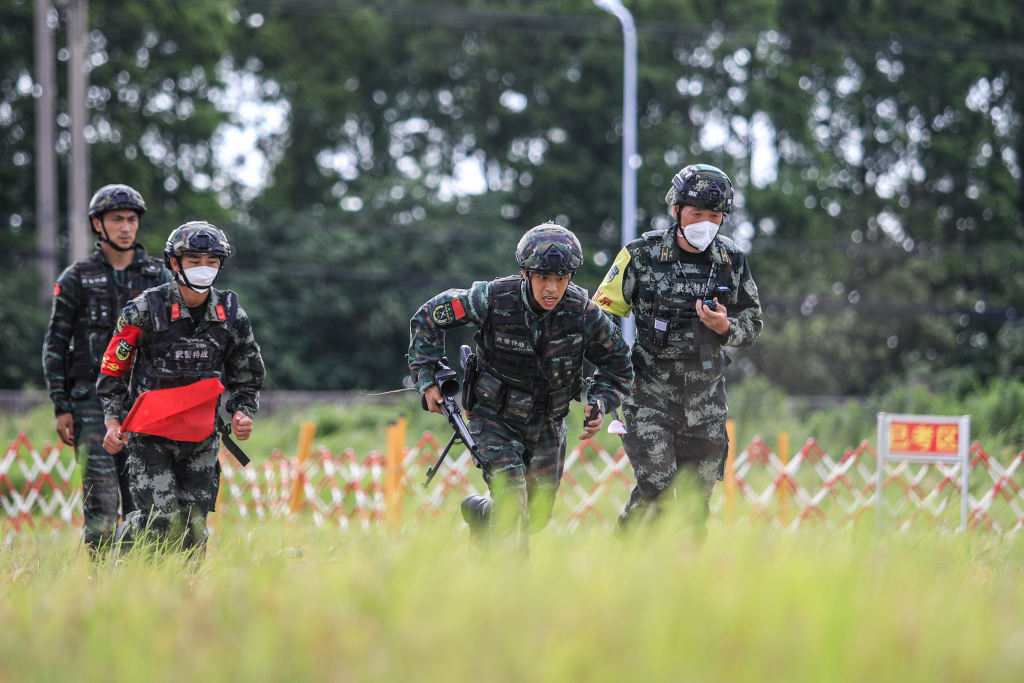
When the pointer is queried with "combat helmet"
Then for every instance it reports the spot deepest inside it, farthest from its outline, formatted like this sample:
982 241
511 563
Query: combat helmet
195 237
703 186
549 249
113 198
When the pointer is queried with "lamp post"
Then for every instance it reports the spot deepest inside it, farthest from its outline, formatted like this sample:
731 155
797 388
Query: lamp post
46 157
630 159
78 174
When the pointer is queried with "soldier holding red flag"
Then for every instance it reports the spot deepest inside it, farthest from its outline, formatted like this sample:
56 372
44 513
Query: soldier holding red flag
182 334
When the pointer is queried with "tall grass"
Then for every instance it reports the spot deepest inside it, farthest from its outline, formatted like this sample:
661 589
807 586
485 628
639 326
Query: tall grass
281 602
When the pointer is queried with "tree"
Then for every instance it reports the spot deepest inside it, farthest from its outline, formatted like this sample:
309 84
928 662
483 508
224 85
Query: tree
153 124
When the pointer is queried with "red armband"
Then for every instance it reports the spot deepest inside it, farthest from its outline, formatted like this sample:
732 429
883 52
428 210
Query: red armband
118 357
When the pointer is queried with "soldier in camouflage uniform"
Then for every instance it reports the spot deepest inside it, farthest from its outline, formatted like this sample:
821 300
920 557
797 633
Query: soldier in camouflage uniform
173 336
676 414
86 300
536 328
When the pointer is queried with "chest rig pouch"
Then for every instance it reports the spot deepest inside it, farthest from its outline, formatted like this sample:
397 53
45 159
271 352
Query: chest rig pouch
667 321
102 301
96 317
179 359
515 378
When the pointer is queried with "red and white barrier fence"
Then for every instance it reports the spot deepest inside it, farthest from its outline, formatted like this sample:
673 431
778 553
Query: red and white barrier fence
763 486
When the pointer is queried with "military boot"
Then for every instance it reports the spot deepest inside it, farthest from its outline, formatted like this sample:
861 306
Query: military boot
476 510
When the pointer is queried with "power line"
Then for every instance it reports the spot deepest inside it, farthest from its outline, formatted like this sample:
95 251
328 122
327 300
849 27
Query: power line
582 25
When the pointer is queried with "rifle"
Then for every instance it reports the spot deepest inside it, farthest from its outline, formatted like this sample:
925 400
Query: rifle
447 381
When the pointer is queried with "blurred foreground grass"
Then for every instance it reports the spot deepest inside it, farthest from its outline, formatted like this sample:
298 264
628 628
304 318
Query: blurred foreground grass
284 602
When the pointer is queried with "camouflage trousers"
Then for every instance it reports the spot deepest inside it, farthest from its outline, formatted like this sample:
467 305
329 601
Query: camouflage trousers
674 430
174 486
104 476
524 468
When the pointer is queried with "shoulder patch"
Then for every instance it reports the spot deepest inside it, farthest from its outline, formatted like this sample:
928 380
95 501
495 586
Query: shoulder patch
56 289
458 309
728 243
444 313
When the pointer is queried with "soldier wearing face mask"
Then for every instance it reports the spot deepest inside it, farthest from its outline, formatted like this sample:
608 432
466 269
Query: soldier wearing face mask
692 294
173 336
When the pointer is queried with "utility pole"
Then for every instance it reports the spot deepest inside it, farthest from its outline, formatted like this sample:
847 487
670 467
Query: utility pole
630 159
46 155
78 84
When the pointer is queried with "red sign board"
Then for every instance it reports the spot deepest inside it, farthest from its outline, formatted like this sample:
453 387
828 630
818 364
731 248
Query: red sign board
921 437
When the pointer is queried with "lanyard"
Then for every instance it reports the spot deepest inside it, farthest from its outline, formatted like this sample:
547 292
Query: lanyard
689 287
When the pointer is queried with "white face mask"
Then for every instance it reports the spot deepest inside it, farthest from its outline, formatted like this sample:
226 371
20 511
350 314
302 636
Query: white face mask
699 235
202 277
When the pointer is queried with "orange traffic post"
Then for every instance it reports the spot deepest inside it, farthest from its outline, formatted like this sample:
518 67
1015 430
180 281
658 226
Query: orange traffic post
729 479
782 450
395 474
306 433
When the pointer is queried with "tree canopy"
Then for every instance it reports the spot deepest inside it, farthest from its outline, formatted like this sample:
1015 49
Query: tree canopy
363 158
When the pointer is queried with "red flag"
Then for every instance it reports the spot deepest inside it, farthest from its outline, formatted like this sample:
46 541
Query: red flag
182 414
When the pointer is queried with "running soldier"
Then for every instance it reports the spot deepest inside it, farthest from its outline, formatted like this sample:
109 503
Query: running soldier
692 295
535 330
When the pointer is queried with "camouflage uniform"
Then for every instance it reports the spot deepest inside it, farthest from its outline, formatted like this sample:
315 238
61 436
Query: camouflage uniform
174 483
519 426
676 414
86 300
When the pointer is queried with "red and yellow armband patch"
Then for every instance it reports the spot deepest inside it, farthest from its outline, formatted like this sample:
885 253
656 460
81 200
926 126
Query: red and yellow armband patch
118 357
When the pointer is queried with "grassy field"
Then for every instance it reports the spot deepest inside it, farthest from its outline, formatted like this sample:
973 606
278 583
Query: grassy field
281 602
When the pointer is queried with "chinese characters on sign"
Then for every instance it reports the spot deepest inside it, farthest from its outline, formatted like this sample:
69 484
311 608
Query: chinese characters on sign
916 437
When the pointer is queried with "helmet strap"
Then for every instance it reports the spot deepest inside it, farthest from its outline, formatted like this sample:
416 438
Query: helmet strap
530 298
106 238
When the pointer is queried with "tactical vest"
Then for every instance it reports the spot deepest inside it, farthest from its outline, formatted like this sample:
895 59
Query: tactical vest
666 317
515 379
178 360
102 301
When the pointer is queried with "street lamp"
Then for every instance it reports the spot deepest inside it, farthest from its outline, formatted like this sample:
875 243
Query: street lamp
630 159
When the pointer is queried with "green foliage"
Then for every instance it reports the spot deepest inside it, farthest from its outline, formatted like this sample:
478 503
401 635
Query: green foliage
885 241
21 328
